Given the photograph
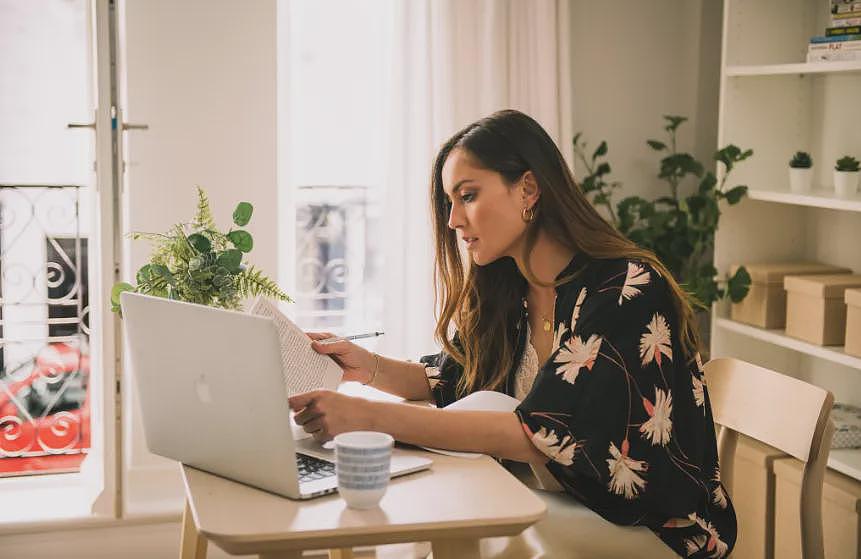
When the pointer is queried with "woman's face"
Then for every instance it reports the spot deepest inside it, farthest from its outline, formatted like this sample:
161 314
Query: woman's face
485 211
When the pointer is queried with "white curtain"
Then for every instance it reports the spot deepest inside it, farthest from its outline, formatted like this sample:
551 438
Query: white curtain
455 61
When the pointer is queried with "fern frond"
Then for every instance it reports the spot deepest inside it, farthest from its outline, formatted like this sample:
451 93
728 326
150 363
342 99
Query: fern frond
252 282
203 218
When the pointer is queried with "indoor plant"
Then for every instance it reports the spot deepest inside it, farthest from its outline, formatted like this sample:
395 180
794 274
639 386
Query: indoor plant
197 263
800 172
678 228
846 176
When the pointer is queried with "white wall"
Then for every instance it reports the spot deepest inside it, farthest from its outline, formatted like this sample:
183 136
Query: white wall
635 61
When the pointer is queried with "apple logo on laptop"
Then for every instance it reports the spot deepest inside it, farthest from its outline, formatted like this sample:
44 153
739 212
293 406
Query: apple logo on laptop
202 389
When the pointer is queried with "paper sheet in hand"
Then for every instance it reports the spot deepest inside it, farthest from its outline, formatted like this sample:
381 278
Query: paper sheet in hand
483 400
303 368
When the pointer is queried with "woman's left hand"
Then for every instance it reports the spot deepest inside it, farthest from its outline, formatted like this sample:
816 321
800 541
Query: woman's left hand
325 413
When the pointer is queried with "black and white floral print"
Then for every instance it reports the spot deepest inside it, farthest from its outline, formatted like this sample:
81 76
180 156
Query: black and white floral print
621 413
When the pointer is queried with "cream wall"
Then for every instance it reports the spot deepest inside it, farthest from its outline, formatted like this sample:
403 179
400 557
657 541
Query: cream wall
634 61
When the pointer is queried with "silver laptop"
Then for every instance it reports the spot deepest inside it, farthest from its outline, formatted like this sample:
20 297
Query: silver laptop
212 396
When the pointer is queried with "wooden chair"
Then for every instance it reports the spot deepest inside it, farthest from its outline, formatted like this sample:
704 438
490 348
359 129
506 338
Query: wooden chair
783 412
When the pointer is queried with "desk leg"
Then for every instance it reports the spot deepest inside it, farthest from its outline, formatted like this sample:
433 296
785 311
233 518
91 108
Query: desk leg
344 553
192 545
282 555
456 549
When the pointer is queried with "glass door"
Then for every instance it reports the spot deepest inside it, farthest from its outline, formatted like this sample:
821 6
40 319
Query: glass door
57 230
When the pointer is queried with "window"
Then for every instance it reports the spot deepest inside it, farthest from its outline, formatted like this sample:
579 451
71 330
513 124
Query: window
337 160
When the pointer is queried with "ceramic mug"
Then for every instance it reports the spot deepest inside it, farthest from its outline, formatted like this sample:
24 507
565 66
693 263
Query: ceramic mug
363 465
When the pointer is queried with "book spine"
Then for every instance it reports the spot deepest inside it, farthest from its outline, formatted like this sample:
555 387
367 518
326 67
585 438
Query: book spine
845 22
834 55
845 45
819 39
840 31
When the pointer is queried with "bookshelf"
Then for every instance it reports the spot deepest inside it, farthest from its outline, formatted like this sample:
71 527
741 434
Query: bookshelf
774 102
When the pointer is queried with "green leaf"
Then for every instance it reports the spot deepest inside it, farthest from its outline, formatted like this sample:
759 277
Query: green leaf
115 293
160 271
576 138
203 217
734 195
673 122
600 151
707 183
230 260
200 243
144 275
739 285
253 282
242 214
602 169
656 145
241 240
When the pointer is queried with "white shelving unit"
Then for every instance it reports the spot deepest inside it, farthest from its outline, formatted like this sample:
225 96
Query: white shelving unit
776 104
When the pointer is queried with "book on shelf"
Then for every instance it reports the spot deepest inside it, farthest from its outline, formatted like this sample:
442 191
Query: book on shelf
848 22
839 45
841 8
824 39
834 55
840 31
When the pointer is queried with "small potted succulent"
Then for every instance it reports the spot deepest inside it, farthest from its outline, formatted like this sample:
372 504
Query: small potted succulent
800 172
846 176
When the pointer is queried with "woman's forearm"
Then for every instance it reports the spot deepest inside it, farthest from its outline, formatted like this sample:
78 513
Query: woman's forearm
499 434
401 378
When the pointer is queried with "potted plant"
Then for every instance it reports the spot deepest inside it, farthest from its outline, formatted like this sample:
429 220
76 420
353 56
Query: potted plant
197 263
800 172
680 227
846 176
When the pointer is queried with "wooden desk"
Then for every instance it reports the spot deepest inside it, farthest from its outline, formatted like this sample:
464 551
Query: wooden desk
453 505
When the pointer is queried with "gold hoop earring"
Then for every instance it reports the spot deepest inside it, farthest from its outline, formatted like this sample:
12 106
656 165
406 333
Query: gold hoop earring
527 214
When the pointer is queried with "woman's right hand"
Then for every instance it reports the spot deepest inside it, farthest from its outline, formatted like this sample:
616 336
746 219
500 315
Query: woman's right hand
356 361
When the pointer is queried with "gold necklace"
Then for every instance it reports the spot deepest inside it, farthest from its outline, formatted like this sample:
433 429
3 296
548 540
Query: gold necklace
547 324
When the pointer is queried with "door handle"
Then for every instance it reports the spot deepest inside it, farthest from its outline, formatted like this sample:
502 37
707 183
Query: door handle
81 125
127 126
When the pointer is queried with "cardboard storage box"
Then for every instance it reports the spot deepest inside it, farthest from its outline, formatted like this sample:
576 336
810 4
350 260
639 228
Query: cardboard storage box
765 303
841 512
853 322
816 307
752 495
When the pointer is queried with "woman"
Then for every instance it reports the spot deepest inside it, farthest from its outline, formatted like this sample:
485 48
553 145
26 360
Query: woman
560 310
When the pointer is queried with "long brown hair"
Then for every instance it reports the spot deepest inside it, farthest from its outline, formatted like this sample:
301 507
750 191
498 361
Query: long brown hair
484 302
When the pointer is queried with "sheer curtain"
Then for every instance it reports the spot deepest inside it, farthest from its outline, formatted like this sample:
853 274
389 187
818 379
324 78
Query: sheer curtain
453 62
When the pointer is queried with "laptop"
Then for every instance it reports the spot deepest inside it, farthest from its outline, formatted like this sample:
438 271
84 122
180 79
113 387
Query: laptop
212 396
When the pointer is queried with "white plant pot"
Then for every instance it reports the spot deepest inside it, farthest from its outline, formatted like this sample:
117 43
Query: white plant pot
800 179
846 182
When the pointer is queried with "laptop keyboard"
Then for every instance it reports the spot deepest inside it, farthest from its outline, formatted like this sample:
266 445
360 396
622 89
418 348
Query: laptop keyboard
311 468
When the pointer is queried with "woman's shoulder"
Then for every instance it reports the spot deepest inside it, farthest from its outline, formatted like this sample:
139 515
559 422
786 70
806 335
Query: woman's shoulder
604 275
608 288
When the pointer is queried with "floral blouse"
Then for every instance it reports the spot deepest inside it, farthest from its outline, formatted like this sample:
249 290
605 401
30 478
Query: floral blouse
622 416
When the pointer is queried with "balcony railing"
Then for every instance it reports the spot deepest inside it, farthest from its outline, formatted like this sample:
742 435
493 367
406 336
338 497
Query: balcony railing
44 329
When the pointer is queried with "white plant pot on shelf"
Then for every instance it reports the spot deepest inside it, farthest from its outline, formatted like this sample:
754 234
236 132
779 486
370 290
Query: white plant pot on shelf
800 179
846 182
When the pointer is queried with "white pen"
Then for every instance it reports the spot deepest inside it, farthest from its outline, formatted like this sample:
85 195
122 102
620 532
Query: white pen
352 337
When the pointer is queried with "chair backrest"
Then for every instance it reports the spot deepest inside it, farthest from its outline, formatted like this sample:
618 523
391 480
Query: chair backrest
780 411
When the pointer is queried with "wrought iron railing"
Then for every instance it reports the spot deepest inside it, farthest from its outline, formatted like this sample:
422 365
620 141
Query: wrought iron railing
335 263
44 328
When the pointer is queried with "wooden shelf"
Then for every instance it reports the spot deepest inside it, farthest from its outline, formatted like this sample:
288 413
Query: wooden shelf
846 461
817 198
831 67
779 337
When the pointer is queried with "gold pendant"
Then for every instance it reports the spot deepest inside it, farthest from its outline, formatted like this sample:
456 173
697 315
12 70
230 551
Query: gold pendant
547 325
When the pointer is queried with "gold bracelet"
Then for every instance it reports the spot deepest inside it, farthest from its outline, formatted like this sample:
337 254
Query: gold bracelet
376 369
